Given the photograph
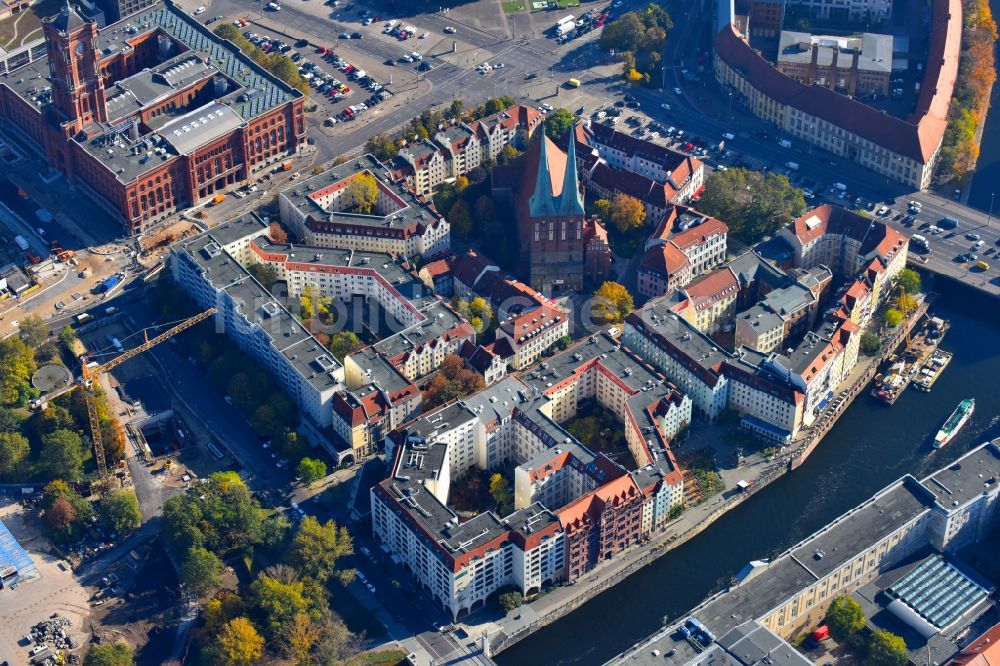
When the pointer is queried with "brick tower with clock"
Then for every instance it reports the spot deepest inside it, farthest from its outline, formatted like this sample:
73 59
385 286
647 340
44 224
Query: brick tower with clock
75 66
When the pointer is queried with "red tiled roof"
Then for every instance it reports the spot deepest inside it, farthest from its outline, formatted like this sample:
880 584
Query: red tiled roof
520 327
873 235
984 651
634 185
697 235
917 138
437 268
467 267
665 258
619 490
712 288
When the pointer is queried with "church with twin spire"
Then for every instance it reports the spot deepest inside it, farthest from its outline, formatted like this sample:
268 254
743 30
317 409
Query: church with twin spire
561 248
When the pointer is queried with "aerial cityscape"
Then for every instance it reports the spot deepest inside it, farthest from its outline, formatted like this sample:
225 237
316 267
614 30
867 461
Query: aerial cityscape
391 332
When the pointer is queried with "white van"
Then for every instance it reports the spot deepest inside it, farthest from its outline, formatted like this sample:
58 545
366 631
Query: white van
728 136
840 186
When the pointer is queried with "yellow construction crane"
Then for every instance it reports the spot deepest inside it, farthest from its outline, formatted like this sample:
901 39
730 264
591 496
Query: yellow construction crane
92 372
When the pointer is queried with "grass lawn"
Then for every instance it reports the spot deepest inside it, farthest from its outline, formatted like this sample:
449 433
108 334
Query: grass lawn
563 4
511 6
27 22
378 658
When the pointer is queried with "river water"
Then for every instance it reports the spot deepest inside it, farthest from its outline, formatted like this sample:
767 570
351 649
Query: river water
868 448
986 180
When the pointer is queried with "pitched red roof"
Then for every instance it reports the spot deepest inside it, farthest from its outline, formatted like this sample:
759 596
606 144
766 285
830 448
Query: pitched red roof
665 258
622 489
697 235
916 138
712 288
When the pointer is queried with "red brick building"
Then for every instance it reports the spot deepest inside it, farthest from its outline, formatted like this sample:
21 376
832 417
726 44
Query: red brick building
149 115
601 524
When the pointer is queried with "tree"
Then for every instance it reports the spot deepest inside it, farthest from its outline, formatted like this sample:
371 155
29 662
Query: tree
9 420
239 643
109 654
886 649
119 511
870 343
909 280
264 273
317 547
67 336
457 109
627 213
222 517
893 317
33 331
602 209
906 303
277 232
461 184
845 617
60 515
300 637
508 154
382 146
17 364
14 449
201 572
62 455
460 219
510 600
557 123
343 343
612 302
362 193
278 603
311 470
500 491
564 342
752 204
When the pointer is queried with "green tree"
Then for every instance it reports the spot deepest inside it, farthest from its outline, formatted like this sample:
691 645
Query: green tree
845 617
602 209
317 547
564 342
14 450
909 280
752 204
893 317
500 491
460 219
382 146
109 654
886 649
17 364
222 517
62 455
311 470
508 154
239 643
33 331
457 109
119 511
510 600
870 343
612 302
362 193
9 420
67 336
627 213
266 274
557 123
201 572
278 603
343 343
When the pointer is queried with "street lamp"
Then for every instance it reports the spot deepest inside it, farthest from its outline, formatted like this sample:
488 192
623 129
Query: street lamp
990 214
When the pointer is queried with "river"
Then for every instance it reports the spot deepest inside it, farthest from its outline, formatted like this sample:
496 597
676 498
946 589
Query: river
986 180
868 448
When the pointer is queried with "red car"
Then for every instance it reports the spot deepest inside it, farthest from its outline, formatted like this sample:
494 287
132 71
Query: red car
688 146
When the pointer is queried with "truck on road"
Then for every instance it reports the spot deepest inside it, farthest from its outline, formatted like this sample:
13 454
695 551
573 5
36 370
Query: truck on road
108 284
792 166
784 143
21 242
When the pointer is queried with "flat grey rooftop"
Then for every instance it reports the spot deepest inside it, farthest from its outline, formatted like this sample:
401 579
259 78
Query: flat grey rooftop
194 129
973 474
657 320
750 643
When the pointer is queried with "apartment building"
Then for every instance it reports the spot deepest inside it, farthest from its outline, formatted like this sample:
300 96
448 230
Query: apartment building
684 245
771 602
565 496
849 244
532 333
785 312
210 268
873 11
903 149
322 211
458 149
710 302
683 174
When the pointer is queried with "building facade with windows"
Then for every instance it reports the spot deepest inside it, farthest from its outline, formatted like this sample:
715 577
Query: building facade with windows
324 211
150 115
903 149
684 245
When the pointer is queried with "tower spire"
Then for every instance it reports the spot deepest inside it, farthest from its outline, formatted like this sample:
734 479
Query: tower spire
570 201
543 201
